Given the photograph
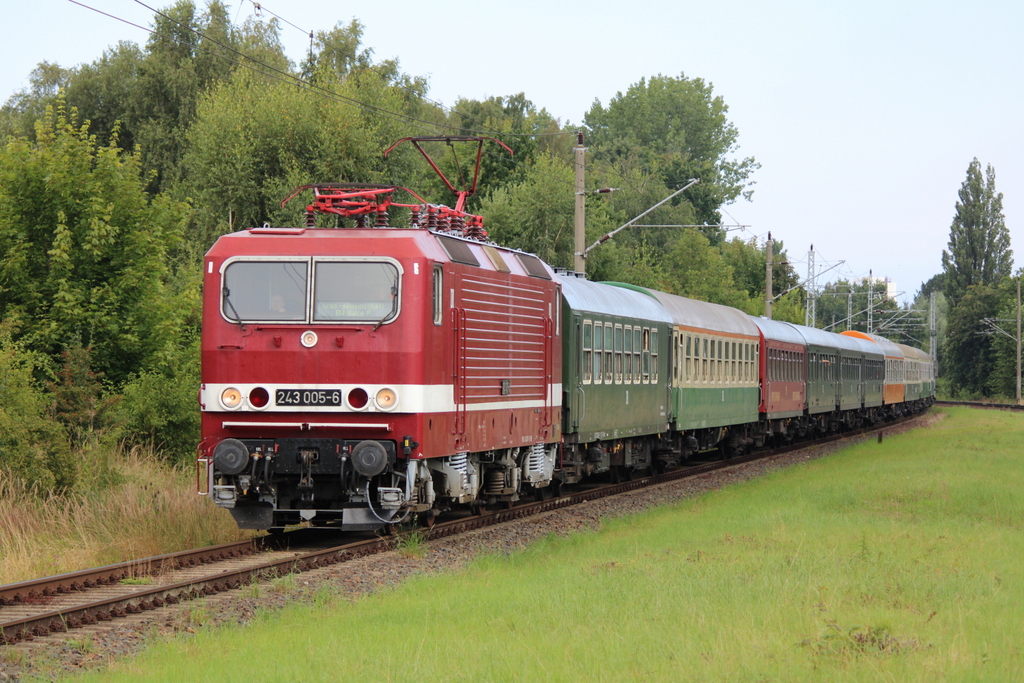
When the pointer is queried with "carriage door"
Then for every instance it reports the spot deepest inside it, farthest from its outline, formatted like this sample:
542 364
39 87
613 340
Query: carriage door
576 359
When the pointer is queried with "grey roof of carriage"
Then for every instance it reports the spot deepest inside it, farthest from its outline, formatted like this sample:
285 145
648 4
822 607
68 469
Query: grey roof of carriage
595 297
704 315
779 331
813 335
889 348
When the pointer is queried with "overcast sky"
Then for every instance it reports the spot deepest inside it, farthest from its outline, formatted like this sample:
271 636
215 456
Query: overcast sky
864 116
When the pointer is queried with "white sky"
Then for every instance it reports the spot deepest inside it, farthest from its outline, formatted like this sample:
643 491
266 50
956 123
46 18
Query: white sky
864 116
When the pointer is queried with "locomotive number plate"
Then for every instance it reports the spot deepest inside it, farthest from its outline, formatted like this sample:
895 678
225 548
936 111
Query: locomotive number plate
308 397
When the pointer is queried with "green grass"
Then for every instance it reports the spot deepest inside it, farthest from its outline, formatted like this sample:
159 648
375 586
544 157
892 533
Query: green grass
892 562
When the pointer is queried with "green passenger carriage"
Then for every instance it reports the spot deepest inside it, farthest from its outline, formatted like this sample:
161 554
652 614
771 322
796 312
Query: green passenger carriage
714 368
615 363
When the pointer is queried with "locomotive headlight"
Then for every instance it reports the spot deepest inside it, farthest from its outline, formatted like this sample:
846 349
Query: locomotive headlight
386 399
308 339
231 398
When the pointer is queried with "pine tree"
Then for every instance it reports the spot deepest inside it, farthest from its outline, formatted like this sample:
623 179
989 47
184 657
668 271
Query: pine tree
979 243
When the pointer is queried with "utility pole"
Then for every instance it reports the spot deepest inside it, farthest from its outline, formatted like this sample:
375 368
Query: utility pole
811 314
580 263
768 277
1018 340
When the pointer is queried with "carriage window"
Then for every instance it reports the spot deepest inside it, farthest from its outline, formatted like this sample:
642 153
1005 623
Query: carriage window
654 355
636 354
704 370
598 356
265 291
646 355
627 349
588 336
608 332
618 354
688 370
735 369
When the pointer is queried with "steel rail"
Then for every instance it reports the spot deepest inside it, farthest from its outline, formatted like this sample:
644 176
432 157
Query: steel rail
38 589
61 620
979 404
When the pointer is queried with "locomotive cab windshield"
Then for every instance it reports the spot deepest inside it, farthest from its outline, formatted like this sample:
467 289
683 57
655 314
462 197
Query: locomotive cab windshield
260 290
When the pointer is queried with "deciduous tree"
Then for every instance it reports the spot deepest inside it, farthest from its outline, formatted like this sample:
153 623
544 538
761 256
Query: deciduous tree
979 243
83 249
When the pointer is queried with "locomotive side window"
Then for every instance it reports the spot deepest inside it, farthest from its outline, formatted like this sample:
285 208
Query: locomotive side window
264 291
588 361
438 294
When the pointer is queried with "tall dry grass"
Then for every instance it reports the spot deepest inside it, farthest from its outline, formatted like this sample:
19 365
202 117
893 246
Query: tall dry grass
128 504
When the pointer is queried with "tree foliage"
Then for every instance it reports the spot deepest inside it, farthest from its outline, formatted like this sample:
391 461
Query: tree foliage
33 447
837 300
979 243
675 129
968 352
83 248
118 175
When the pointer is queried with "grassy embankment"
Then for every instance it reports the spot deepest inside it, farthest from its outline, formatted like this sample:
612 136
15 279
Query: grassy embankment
896 562
126 506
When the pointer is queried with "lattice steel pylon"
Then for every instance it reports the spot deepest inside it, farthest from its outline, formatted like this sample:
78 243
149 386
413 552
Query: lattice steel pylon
811 313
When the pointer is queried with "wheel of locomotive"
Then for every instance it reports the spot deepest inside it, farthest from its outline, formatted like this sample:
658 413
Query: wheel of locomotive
428 519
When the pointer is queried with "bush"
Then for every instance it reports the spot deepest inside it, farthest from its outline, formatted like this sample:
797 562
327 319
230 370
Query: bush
159 407
33 447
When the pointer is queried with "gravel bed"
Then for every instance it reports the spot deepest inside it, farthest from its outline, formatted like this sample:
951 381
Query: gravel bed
62 654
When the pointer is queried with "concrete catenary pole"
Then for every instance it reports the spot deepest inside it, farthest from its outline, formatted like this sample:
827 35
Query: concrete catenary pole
933 337
871 298
768 277
579 263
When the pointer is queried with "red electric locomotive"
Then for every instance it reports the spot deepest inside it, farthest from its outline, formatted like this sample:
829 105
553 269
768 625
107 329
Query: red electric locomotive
352 376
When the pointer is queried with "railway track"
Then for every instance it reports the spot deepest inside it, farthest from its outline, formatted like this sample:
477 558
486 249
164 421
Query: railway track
979 404
56 604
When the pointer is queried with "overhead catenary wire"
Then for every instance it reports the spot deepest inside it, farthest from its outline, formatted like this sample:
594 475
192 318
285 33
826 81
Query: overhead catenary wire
253 64
269 71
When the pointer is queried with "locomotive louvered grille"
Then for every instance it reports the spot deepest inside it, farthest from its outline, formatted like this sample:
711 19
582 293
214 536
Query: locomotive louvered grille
497 313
